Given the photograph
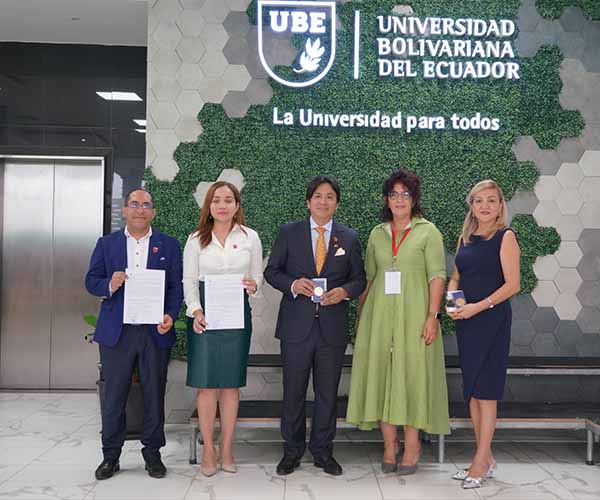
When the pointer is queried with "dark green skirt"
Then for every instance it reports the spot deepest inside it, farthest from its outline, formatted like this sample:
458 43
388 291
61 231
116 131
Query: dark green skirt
218 358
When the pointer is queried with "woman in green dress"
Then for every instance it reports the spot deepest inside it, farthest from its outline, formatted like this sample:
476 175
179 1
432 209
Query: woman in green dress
398 371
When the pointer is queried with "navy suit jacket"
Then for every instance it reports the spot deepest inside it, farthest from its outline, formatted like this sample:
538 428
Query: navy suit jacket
109 256
292 258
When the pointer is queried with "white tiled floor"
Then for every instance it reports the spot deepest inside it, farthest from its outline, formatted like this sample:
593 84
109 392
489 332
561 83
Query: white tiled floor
50 446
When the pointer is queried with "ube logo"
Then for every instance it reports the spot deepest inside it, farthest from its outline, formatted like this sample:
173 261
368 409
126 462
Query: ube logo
315 22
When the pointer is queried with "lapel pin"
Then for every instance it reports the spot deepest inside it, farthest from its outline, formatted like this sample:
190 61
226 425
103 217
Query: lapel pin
154 249
234 246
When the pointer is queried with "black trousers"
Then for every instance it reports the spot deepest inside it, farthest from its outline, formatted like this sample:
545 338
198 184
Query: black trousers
117 367
326 362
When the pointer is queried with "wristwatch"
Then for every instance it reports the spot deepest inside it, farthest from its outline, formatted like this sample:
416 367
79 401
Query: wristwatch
437 316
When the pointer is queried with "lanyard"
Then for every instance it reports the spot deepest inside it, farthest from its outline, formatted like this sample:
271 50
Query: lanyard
395 247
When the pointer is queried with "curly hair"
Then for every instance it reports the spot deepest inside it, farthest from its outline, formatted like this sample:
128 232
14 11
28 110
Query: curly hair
412 182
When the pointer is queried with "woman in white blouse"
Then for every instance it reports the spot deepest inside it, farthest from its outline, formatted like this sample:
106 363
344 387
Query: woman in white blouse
217 359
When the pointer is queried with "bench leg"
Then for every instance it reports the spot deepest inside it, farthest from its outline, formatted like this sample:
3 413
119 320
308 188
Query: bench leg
590 448
194 445
441 448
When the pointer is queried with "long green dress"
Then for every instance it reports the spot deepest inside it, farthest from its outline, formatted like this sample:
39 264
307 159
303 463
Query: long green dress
396 378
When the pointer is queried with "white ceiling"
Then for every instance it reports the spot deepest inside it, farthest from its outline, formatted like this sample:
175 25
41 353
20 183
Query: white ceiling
101 22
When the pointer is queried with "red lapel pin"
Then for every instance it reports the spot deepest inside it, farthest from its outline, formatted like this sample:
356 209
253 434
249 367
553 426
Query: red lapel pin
154 249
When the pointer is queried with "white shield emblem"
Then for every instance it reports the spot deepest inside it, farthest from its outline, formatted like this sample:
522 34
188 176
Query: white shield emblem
315 23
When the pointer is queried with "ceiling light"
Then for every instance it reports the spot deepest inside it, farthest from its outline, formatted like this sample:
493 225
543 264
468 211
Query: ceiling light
119 96
141 130
141 123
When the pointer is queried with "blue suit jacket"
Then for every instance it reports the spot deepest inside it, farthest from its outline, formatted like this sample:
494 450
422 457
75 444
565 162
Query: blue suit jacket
109 256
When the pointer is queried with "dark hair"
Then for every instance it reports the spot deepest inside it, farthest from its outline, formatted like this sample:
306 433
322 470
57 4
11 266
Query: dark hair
322 179
412 182
206 221
128 195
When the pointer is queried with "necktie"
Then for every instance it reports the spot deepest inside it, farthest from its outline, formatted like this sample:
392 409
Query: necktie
321 251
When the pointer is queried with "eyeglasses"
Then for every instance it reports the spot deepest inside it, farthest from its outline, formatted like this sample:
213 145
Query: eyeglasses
147 205
394 195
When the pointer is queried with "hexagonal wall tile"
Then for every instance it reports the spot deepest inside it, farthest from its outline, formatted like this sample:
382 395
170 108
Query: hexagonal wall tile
192 4
523 306
545 344
590 163
214 11
588 320
236 77
236 104
188 128
165 142
522 332
233 176
569 202
567 334
590 189
572 19
589 242
589 267
547 213
165 62
165 168
547 188
213 63
189 103
164 88
214 36
569 175
237 51
238 5
212 90
191 23
525 148
590 215
569 227
166 36
165 115
190 50
589 294
567 280
548 161
569 254
545 293
237 24
260 92
527 16
190 76
523 202
567 306
570 149
544 319
546 267
166 10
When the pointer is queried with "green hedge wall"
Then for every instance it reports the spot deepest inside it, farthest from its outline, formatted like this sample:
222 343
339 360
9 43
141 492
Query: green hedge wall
277 162
553 9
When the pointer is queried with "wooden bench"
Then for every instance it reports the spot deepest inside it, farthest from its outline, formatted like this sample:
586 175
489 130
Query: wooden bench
511 415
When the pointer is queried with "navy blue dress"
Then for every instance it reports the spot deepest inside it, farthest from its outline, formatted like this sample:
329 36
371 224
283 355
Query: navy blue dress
484 339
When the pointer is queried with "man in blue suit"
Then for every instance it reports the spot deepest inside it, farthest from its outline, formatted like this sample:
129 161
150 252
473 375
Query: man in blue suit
314 335
136 247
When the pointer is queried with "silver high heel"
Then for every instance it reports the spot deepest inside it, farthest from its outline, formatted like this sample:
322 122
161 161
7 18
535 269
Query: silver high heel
461 475
471 483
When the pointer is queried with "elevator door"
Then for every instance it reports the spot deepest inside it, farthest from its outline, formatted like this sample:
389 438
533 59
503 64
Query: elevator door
52 215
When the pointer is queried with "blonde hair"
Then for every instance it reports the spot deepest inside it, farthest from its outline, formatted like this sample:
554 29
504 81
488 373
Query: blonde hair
470 225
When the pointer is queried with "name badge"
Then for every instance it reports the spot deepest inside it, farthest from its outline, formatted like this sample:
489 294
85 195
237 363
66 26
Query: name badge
393 282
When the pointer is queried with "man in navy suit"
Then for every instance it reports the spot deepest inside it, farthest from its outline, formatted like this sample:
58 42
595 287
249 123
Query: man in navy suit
313 335
138 246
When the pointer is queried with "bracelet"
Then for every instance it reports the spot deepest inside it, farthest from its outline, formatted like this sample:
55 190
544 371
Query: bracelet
491 304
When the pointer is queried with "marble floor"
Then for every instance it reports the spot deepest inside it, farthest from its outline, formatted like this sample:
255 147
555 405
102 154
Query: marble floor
49 448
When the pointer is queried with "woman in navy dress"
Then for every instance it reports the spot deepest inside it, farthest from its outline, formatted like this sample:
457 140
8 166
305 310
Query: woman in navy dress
487 271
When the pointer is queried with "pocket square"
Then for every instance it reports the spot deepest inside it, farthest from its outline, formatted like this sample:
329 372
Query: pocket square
162 258
340 251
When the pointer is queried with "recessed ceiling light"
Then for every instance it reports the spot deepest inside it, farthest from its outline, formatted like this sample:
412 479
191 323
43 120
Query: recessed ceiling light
75 19
141 130
141 123
119 96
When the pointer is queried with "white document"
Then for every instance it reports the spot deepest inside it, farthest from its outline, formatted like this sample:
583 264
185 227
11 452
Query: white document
393 282
144 296
224 301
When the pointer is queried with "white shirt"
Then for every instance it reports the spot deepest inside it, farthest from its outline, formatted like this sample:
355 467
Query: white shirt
137 253
242 254
137 250
314 236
